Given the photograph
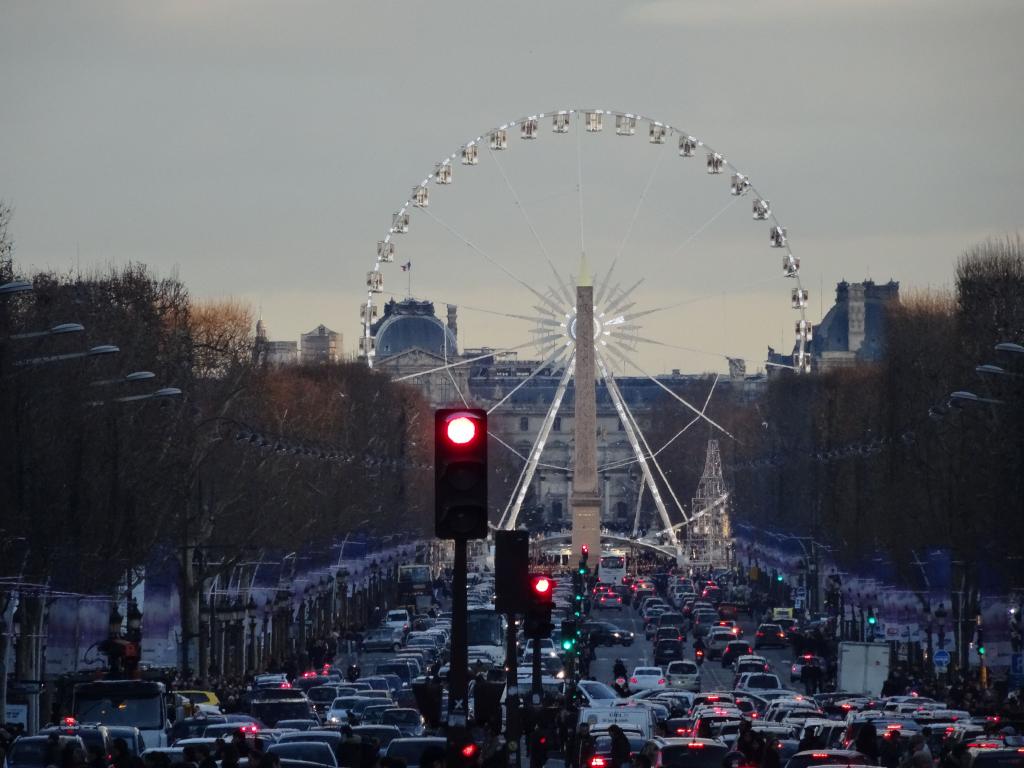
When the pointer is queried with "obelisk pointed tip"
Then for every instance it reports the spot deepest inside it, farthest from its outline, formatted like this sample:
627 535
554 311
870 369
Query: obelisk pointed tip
584 279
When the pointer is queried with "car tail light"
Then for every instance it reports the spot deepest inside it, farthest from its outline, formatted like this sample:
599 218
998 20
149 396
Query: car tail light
661 681
309 674
285 684
760 633
683 731
712 698
632 680
807 656
846 706
69 722
250 728
754 715
984 745
782 634
695 745
820 755
597 762
892 727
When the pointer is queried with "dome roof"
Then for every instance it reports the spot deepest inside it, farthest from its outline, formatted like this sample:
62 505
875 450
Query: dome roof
412 324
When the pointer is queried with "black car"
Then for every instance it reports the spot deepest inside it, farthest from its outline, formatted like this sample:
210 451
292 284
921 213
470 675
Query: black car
769 634
666 651
733 650
605 633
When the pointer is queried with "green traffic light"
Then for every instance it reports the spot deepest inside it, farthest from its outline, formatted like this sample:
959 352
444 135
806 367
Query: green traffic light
778 577
981 650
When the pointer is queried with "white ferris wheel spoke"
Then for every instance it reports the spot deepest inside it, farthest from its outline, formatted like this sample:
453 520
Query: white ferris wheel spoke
639 500
551 360
676 436
567 296
515 452
473 246
511 514
682 400
648 453
627 427
466 361
639 204
703 297
603 287
697 232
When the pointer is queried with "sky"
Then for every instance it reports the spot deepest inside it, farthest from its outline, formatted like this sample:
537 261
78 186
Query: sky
257 150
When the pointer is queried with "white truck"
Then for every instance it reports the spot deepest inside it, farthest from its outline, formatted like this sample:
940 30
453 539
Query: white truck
863 667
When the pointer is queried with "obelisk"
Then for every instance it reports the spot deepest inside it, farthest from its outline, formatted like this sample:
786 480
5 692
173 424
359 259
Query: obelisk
586 502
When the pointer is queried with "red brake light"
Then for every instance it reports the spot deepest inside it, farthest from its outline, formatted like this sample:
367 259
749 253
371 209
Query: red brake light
820 755
461 430
69 722
695 745
597 762
712 698
286 684
754 715
309 674
250 728
760 633
846 706
807 656
469 750
661 681
892 727
632 680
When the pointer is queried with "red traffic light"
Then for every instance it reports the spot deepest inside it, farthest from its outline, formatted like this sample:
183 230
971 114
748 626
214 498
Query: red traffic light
541 586
461 430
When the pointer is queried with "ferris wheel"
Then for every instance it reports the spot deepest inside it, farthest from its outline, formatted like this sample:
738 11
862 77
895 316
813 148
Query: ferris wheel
529 285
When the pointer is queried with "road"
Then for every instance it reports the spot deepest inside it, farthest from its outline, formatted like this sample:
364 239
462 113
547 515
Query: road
713 675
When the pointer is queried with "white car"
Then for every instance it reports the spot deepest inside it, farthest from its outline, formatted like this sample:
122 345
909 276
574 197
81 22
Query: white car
684 675
547 648
644 678
398 619
716 641
754 681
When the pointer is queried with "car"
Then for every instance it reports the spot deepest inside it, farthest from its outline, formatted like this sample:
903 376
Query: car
298 725
381 734
323 695
608 600
308 751
202 701
684 752
683 674
604 633
98 736
733 650
602 746
769 635
669 633
399 619
409 721
546 645
717 639
35 751
411 750
385 639
132 737
668 650
646 677
269 711
371 715
333 739
757 681
757 663
797 667
823 756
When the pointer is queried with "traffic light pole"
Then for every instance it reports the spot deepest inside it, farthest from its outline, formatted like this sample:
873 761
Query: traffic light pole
538 689
513 727
458 696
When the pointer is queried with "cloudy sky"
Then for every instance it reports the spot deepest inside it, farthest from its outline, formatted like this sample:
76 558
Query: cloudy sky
259 148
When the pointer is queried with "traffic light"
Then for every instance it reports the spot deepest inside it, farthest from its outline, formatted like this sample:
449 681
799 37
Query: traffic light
779 577
578 587
462 750
569 636
584 552
872 619
980 641
537 623
460 473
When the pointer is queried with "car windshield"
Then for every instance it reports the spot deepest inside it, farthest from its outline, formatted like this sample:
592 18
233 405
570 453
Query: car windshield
696 754
272 711
682 668
656 671
310 751
321 694
25 752
484 628
401 717
763 681
143 713
596 690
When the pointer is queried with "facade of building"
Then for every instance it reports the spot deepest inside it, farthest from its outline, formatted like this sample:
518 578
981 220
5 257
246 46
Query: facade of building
853 329
281 352
321 345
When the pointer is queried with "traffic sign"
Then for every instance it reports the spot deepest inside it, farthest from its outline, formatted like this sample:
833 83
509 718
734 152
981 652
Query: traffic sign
941 658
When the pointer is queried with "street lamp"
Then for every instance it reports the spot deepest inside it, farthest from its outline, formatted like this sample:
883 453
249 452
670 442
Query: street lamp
1010 347
962 396
56 330
15 286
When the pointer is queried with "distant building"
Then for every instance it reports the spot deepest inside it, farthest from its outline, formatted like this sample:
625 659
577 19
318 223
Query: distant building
281 352
852 331
321 345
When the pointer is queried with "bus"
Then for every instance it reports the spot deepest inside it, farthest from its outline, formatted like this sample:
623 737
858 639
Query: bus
485 632
612 567
141 703
415 587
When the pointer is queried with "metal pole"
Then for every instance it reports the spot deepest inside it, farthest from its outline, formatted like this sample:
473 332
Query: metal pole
537 689
458 696
513 726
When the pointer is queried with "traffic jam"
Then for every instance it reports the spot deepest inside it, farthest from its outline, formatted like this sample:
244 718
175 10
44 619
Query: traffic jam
658 669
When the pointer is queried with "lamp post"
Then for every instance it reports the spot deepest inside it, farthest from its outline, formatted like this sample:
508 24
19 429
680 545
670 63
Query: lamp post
250 611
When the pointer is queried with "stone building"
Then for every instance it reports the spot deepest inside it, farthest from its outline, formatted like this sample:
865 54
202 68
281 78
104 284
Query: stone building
321 345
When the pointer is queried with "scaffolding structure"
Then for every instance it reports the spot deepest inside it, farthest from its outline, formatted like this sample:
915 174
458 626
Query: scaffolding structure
709 536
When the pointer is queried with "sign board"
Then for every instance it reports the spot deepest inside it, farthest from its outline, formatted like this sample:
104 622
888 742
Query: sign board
798 603
782 613
801 594
17 713
941 658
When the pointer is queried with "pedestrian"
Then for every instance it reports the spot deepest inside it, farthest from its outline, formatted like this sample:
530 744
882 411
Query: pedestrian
920 756
620 746
867 742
